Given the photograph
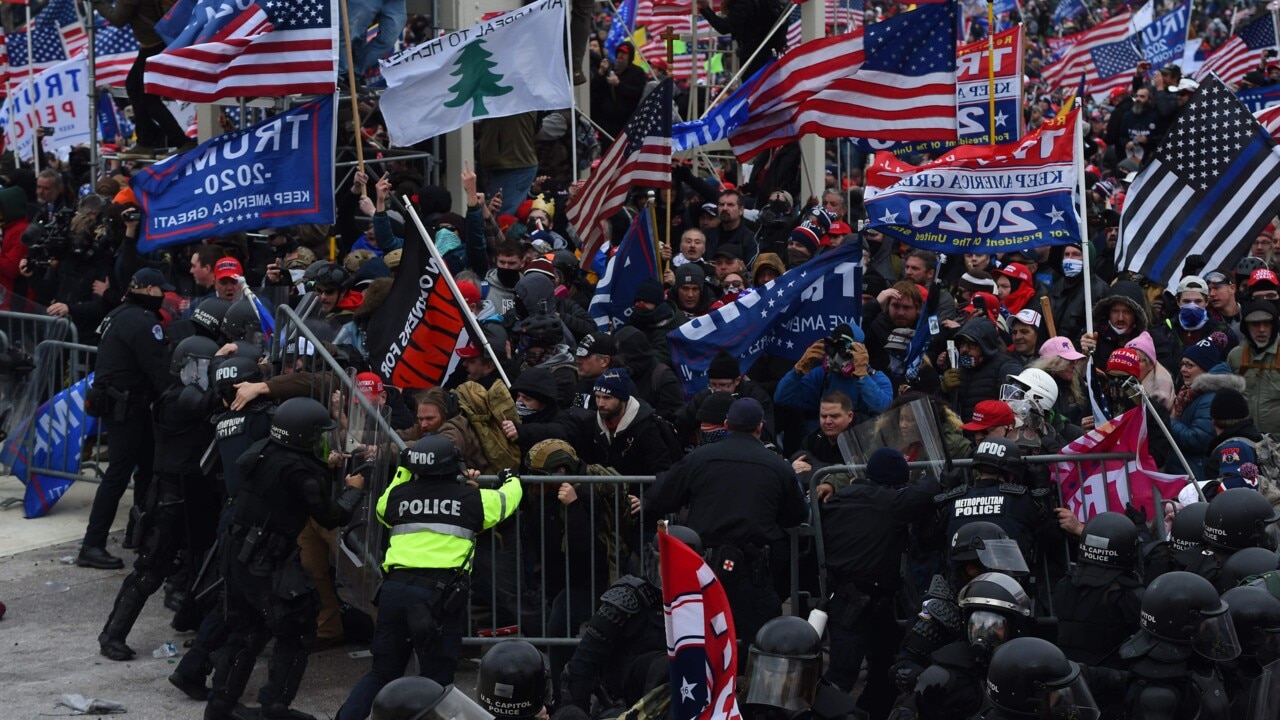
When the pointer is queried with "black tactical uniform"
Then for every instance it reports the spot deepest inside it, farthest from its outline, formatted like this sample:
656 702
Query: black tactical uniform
1182 546
1031 678
268 593
1255 613
1236 519
784 669
995 494
131 371
1097 605
181 509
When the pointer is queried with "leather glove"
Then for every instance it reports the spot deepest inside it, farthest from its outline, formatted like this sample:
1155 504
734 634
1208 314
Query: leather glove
1136 516
951 379
506 474
812 358
861 360
904 676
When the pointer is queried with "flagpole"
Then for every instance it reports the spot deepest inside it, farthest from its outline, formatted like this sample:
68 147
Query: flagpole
575 66
738 75
668 38
91 33
355 101
1150 410
693 48
473 325
31 71
991 70
1084 220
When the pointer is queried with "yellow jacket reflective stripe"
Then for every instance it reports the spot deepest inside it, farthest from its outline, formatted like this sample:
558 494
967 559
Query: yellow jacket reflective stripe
433 524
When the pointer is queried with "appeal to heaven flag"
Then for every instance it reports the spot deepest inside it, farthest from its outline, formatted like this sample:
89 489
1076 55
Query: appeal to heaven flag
510 64
1213 184
979 198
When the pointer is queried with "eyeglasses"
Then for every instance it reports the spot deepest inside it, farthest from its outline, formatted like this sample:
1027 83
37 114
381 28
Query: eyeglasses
733 286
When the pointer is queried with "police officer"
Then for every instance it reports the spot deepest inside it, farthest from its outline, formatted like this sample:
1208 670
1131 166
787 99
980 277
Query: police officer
1032 678
1255 613
434 519
172 526
268 593
1184 631
865 532
205 320
512 682
740 497
623 650
784 675
1182 547
1236 519
241 322
130 373
419 698
995 493
1097 605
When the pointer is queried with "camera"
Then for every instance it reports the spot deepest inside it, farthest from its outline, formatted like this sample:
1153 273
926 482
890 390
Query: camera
131 215
52 239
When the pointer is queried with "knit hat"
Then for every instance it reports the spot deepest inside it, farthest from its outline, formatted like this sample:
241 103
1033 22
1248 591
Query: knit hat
977 281
745 414
615 382
899 339
723 367
690 274
650 291
1228 407
541 265
887 466
1125 361
715 408
809 233
536 382
1145 345
597 343
1060 347
1203 354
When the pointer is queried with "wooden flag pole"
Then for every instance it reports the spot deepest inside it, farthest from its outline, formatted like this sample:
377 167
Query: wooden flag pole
355 101
668 39
1046 311
991 70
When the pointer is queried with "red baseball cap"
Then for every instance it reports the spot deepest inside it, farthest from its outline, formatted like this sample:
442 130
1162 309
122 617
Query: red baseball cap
468 351
369 384
469 291
989 414
1263 275
227 268
1017 271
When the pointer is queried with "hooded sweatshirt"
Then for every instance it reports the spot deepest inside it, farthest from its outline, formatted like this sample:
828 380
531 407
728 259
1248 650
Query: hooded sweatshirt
983 381
1261 370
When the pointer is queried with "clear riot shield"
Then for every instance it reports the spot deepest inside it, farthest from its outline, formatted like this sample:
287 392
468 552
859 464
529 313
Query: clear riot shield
1264 696
911 429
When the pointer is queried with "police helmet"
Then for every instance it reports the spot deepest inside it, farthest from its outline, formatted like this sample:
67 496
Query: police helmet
195 347
1030 677
1245 564
1181 608
241 321
996 608
303 424
1188 526
513 680
1237 519
208 315
651 566
549 457
433 455
784 665
1110 540
543 331
1001 454
233 371
1255 613
419 698
966 540
989 545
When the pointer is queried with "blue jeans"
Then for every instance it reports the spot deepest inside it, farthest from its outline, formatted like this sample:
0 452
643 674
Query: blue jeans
393 643
514 184
388 15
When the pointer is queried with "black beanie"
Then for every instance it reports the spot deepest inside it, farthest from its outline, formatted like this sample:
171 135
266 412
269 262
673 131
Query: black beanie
1228 406
887 466
723 367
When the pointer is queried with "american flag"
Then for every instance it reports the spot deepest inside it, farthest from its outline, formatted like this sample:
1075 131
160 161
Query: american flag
1270 120
640 155
281 47
1079 59
1213 184
842 16
46 46
656 16
62 15
1117 58
1242 53
115 49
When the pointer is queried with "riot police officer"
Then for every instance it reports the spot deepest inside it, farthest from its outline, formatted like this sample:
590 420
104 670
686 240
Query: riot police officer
1183 545
173 527
995 493
623 650
419 698
1255 613
1032 678
1236 519
268 593
1184 631
129 374
784 675
1097 605
241 322
434 519
205 320
1245 564
513 680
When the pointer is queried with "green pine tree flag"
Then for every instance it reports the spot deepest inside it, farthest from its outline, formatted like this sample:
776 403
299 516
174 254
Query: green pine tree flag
476 79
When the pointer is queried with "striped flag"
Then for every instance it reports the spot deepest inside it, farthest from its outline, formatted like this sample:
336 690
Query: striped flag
115 49
640 155
277 48
1213 184
635 260
1270 120
1079 59
62 15
46 47
1242 53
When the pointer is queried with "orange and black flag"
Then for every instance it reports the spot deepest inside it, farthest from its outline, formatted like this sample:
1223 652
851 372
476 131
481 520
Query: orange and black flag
412 338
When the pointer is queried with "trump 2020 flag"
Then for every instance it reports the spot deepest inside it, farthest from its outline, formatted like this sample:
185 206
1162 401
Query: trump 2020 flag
701 642
276 173
635 260
783 318
506 65
50 440
1093 486
980 198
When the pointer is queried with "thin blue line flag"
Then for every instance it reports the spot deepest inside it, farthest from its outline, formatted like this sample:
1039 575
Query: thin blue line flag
635 260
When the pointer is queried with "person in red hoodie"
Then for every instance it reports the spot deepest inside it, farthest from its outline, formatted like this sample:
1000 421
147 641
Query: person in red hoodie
13 221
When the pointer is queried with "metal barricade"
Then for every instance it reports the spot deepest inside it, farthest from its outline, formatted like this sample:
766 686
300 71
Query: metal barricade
22 333
59 365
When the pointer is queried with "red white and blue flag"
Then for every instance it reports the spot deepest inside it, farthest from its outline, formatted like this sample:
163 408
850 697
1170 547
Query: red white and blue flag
701 642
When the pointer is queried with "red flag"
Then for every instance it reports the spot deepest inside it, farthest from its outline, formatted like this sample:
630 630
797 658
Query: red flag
1091 487
701 642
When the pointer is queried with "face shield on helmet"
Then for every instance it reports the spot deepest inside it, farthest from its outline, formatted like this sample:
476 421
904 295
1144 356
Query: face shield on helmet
321 447
789 683
195 371
986 631
455 705
1070 701
1269 647
1215 637
1001 556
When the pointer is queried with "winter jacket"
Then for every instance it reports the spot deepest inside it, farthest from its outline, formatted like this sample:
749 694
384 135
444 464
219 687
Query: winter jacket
1261 371
983 382
870 395
655 382
1193 429
634 447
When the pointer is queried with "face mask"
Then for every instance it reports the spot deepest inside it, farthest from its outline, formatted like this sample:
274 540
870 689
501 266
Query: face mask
524 410
1192 317
148 302
1118 331
1072 268
706 437
968 361
508 276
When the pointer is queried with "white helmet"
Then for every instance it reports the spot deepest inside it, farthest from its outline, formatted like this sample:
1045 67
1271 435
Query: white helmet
1039 387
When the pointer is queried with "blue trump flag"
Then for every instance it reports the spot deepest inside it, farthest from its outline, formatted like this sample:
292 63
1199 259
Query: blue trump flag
50 440
1068 10
624 23
191 22
782 318
635 260
276 173
720 120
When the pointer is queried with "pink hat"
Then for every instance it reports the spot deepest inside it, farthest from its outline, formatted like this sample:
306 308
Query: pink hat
1145 345
1060 347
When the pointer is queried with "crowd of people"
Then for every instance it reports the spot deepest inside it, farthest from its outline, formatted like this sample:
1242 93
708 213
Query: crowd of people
935 580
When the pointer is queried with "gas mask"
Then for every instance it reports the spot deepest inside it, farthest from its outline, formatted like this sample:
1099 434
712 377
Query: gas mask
986 631
840 362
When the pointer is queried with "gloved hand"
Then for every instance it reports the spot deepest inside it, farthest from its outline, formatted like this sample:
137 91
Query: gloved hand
861 360
905 674
951 379
812 358
506 474
1136 516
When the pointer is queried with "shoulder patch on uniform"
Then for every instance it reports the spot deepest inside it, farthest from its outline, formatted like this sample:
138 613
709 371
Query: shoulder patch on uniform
158 332
951 494
1013 488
